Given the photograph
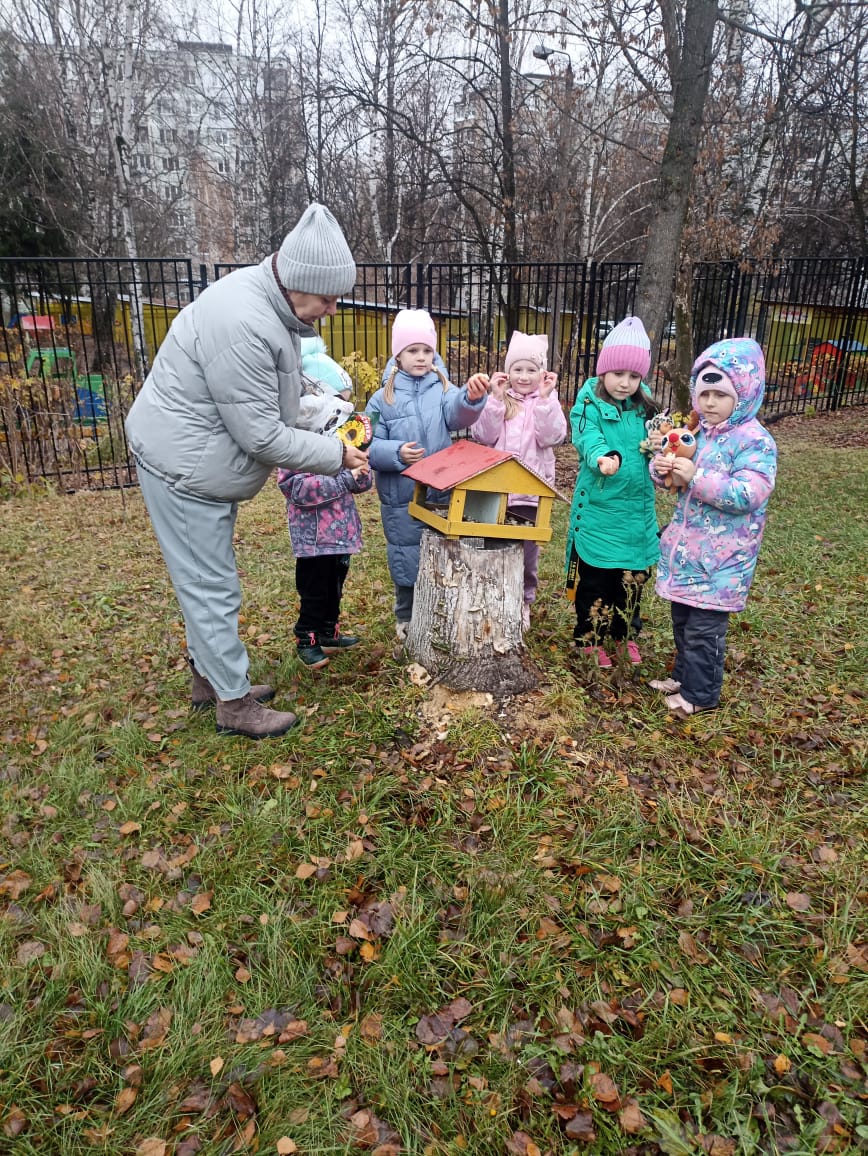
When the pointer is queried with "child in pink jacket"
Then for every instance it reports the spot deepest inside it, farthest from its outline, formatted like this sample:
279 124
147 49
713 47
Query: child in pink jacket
524 417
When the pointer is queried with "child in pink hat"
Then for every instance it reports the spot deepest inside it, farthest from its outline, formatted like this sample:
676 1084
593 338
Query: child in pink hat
524 417
415 412
612 538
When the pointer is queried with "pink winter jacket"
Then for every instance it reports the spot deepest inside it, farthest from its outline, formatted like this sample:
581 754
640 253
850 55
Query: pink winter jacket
530 434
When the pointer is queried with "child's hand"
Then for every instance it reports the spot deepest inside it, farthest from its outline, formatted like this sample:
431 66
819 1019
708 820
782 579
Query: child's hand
663 464
683 470
548 384
655 441
497 385
608 466
411 452
477 387
360 471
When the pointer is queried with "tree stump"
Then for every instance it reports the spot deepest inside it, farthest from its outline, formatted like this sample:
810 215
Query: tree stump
466 625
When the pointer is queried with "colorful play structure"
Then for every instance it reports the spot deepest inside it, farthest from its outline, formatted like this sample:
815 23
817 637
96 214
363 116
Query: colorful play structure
55 363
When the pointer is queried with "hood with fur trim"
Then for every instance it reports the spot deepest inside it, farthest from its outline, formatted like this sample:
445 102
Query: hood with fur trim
741 359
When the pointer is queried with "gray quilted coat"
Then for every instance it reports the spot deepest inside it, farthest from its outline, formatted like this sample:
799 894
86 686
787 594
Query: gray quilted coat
216 413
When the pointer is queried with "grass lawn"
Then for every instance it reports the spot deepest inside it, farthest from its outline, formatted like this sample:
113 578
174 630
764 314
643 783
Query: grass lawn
423 922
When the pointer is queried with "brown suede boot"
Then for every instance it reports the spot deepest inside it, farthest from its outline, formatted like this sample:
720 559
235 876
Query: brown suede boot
203 693
245 716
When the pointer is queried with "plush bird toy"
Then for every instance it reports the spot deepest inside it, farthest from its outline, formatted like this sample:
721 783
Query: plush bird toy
679 437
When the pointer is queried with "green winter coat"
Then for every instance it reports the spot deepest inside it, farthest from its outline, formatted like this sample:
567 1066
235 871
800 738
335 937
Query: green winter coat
613 522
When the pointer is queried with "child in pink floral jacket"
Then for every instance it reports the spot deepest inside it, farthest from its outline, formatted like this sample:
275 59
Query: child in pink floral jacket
325 530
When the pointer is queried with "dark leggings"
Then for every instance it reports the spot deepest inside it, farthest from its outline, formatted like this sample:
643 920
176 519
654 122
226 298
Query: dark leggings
700 648
607 603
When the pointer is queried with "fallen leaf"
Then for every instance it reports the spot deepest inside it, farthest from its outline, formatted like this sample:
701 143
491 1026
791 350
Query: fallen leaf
129 828
689 947
797 901
156 1029
153 1146
216 1065
782 1064
14 1122
125 1100
305 870
371 1027
286 1147
201 902
813 1040
630 1117
28 951
15 883
605 1091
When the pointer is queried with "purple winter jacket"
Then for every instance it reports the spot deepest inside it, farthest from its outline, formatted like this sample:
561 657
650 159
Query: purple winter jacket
322 513
709 550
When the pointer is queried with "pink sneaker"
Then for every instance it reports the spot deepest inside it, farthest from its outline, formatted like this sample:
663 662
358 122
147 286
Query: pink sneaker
633 653
598 653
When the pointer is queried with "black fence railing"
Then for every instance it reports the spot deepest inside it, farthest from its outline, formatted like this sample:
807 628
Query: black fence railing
78 336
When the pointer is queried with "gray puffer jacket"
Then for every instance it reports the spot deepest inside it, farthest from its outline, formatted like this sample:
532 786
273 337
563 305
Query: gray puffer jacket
216 413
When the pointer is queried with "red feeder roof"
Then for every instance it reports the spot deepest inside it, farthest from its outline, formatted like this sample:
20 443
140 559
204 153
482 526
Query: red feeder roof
458 463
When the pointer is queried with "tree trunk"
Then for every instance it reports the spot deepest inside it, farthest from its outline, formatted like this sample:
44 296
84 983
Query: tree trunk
466 626
675 181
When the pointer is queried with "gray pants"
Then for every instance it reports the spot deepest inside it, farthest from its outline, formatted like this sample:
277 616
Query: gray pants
195 537
404 602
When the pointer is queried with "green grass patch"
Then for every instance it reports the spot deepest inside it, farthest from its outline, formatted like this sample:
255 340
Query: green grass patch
423 922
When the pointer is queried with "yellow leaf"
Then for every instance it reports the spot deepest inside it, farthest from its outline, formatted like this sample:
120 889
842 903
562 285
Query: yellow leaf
723 1037
368 952
216 1065
782 1064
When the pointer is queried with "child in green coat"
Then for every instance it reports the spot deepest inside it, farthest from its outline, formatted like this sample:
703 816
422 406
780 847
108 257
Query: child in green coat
612 539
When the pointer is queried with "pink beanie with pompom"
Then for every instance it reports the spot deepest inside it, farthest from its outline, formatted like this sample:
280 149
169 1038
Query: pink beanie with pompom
627 347
413 327
532 347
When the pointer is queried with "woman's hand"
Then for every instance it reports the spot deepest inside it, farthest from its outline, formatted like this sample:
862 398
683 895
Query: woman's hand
411 452
354 459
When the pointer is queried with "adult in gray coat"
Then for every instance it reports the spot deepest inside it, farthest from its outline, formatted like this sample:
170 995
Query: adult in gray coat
215 416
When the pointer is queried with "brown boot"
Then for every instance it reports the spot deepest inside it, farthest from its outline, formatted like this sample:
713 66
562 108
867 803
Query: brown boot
203 693
245 716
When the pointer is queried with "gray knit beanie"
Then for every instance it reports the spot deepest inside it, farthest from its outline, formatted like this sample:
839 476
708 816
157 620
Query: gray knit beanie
315 257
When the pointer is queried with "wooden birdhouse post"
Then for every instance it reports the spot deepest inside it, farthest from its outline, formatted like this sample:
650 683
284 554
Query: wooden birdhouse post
466 628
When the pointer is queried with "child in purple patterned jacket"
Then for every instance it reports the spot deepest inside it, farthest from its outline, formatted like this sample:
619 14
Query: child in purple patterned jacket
708 552
325 530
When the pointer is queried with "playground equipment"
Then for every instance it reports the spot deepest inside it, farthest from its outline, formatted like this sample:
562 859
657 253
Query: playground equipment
59 363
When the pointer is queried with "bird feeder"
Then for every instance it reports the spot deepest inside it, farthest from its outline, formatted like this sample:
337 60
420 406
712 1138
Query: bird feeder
479 481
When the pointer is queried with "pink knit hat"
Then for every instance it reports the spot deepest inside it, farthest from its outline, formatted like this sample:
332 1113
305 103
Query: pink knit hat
527 347
413 327
626 347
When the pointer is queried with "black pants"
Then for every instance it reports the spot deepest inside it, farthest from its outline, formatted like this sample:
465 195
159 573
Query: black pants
607 603
700 648
320 583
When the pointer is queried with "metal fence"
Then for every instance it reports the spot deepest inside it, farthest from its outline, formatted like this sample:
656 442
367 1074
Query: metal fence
78 336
